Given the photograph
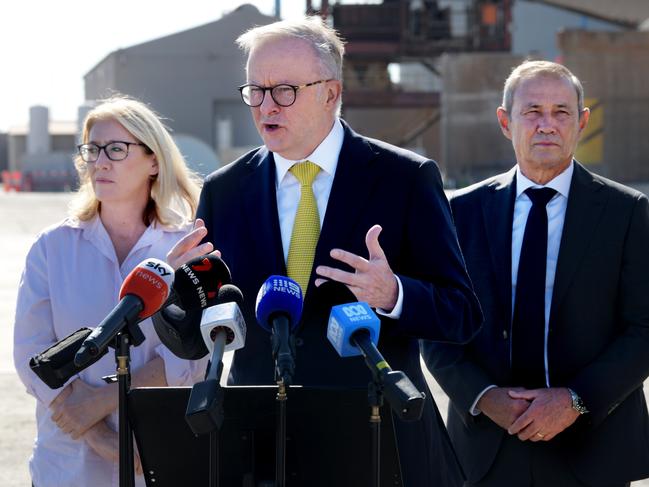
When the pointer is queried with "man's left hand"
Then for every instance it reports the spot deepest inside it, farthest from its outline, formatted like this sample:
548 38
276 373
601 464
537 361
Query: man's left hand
373 281
549 414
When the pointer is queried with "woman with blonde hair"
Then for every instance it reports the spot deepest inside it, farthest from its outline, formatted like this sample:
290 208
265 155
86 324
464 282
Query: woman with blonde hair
136 200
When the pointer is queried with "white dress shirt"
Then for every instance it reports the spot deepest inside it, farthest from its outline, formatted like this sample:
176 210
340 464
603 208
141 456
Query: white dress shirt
72 280
556 210
288 192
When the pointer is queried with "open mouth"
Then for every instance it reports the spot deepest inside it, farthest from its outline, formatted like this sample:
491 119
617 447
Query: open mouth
271 127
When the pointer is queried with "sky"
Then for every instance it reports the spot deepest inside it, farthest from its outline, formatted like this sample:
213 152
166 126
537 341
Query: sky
46 47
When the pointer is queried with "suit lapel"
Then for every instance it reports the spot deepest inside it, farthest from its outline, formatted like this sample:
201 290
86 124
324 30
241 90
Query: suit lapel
498 214
352 185
260 199
585 204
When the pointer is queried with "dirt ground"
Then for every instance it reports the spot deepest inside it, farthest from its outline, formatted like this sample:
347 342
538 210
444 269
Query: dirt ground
22 216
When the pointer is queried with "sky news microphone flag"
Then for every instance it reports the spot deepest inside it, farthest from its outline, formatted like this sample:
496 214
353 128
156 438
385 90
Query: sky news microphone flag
143 292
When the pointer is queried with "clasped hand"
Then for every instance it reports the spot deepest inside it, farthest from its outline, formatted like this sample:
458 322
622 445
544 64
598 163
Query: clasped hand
534 414
79 406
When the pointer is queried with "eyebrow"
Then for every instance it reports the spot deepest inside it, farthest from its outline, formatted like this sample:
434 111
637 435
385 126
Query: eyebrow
537 105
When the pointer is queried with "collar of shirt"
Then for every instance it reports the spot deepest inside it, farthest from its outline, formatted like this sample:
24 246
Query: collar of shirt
325 155
95 232
560 183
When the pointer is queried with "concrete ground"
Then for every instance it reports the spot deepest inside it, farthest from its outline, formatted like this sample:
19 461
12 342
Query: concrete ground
22 216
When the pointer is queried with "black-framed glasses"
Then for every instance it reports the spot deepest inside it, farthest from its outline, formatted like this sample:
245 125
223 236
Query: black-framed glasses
283 94
116 150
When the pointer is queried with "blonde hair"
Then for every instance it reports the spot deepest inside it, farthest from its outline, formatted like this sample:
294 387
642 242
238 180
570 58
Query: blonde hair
532 69
173 194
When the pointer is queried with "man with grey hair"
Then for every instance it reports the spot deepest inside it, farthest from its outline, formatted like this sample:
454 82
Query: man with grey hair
311 204
549 393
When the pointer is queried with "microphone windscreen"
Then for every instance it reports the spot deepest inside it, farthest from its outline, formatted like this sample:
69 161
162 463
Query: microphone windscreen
150 281
279 295
229 293
198 281
347 319
179 331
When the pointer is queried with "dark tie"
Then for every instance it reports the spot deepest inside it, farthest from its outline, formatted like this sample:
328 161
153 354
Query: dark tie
528 323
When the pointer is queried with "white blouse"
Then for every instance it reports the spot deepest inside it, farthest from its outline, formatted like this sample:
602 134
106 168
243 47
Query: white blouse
72 279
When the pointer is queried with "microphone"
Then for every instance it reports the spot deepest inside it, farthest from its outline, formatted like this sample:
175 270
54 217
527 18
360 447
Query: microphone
353 330
224 322
196 286
223 329
278 310
197 282
142 293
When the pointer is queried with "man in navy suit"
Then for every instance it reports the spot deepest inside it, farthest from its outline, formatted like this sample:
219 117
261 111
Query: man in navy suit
549 393
414 274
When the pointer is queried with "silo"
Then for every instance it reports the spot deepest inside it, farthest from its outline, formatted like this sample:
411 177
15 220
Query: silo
38 138
82 111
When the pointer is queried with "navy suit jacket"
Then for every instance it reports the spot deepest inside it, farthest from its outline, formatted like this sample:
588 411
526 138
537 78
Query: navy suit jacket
598 340
375 183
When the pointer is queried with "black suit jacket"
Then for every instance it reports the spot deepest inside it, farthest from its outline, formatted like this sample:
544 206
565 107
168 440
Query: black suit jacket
374 183
598 341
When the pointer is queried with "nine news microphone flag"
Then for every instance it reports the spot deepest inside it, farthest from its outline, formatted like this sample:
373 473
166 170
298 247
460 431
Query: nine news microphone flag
279 309
196 287
143 292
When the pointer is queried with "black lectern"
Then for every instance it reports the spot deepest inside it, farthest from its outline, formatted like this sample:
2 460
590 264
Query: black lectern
328 439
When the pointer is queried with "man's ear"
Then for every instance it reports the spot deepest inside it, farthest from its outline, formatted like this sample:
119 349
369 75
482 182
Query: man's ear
334 92
504 121
584 116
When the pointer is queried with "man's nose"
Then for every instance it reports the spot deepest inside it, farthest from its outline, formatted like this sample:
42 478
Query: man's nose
546 124
268 105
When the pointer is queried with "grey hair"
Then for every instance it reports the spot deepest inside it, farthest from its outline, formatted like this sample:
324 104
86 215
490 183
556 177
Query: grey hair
324 40
532 69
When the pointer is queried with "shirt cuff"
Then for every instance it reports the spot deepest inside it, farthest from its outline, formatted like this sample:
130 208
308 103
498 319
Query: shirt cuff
395 314
180 372
474 407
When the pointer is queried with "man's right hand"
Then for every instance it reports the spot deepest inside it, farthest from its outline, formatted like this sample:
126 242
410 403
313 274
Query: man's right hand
500 407
187 247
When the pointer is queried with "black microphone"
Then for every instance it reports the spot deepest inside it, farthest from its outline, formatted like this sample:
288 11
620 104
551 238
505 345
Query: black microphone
196 286
353 330
278 310
197 282
223 329
143 292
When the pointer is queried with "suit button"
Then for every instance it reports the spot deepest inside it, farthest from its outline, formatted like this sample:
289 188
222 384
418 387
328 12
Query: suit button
505 335
299 342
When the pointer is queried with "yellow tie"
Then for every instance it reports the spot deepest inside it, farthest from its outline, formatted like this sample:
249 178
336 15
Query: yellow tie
306 228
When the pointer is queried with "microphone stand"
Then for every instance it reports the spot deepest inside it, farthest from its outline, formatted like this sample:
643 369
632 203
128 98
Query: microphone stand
128 336
280 435
205 412
215 373
284 354
375 400
123 359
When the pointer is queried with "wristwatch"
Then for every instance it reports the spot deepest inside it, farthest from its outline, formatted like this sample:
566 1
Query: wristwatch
577 403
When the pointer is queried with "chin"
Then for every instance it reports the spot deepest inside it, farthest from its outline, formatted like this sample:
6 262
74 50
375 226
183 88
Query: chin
275 146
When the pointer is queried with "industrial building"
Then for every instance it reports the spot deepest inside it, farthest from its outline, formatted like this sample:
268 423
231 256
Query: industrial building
191 79
422 74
